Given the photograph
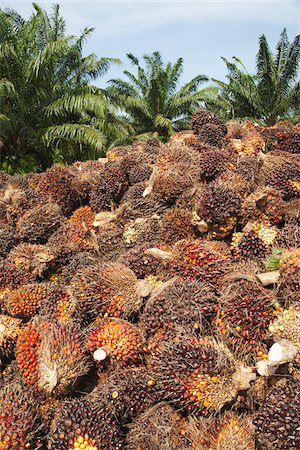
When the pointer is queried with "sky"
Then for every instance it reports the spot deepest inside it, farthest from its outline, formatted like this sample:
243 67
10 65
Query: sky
198 31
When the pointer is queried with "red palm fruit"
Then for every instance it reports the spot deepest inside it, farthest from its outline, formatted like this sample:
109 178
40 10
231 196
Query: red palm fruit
33 259
277 422
18 418
26 351
246 310
26 301
126 393
115 343
61 359
198 375
9 330
158 428
38 223
77 424
84 215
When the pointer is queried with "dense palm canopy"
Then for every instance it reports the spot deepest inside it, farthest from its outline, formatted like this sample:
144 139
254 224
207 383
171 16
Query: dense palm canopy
272 93
39 66
152 99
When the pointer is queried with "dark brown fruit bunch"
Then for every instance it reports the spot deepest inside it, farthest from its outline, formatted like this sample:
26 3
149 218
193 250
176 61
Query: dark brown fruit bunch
38 223
181 304
55 186
60 305
139 262
286 179
8 238
249 245
289 141
277 423
213 162
77 424
212 134
203 117
126 393
288 237
265 204
246 310
85 176
18 418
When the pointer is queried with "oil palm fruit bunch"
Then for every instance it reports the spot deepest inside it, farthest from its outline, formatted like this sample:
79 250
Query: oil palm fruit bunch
111 187
18 418
85 176
159 428
13 203
292 211
286 180
115 343
235 130
107 288
61 359
249 168
126 393
37 224
286 326
60 305
245 311
143 230
8 238
219 207
288 236
212 134
84 215
289 278
277 422
26 350
139 262
179 304
227 432
76 262
33 258
203 117
289 141
255 241
11 278
9 330
78 424
198 260
264 205
55 185
213 162
110 243
176 224
198 374
26 301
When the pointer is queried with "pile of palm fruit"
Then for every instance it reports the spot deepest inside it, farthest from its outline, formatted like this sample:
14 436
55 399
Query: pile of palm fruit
150 300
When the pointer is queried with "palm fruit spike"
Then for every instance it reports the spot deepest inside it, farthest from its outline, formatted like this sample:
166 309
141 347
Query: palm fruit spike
159 428
219 207
55 185
287 326
286 179
198 375
26 350
85 215
115 343
265 204
61 359
11 278
9 329
38 223
277 422
77 424
227 432
109 288
126 393
32 258
26 301
18 418
176 224
185 303
197 260
246 310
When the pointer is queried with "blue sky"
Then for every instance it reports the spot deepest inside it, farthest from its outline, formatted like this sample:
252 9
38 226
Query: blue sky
199 31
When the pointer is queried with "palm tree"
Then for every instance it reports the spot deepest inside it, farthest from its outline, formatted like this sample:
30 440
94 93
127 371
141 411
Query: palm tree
271 94
39 65
152 100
